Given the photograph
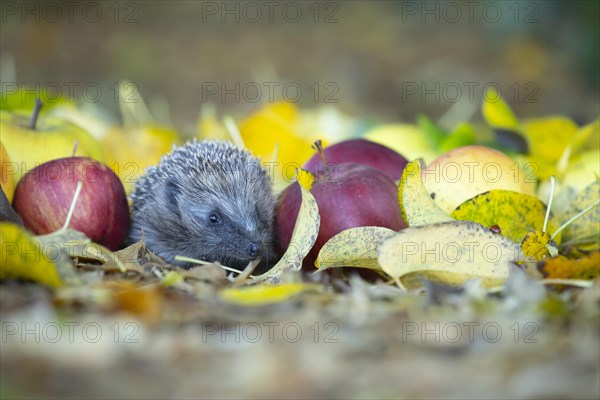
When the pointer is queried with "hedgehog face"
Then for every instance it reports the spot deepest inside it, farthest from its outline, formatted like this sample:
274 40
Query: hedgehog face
227 217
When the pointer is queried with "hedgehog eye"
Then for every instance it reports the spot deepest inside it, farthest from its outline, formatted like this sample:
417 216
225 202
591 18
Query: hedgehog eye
214 219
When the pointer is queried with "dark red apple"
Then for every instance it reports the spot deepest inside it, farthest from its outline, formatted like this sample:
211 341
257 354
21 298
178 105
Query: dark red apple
363 152
353 195
44 195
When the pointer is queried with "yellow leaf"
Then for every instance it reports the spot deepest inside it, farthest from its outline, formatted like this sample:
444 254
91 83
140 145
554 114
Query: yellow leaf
497 113
354 247
24 257
448 252
417 206
305 179
563 268
583 169
277 124
547 139
535 244
587 137
172 278
303 238
584 233
264 294
515 213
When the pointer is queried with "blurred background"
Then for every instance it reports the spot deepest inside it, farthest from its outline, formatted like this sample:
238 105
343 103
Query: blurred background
375 60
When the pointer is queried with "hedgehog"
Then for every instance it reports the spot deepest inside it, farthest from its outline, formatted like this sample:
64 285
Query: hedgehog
207 200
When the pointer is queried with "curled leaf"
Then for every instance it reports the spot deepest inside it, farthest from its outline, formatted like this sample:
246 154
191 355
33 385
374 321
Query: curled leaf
303 238
417 206
448 252
354 247
497 113
305 178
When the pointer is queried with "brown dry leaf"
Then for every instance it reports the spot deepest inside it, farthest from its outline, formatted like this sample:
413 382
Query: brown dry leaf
143 301
210 273
563 268
129 257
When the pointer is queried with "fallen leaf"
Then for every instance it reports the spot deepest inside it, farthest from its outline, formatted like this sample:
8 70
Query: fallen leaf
354 247
264 294
450 253
144 301
535 245
417 206
277 125
497 113
129 257
583 169
547 139
462 135
515 213
584 233
433 132
23 256
303 238
563 268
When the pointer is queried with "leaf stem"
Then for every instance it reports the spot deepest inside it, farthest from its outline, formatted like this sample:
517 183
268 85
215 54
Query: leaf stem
191 260
572 282
75 147
73 203
552 187
35 114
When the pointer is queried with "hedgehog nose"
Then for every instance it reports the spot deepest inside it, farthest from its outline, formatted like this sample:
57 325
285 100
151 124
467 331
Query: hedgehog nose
253 249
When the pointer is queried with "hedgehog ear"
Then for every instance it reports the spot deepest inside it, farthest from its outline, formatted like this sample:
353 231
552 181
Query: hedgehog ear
172 191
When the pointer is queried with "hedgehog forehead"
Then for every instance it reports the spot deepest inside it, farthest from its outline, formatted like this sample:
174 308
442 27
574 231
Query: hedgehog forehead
235 195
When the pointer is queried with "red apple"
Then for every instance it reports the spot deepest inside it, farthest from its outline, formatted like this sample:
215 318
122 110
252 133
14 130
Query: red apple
44 195
363 152
353 195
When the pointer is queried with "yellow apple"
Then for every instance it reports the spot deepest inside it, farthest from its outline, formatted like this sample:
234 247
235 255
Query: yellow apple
31 141
467 171
7 179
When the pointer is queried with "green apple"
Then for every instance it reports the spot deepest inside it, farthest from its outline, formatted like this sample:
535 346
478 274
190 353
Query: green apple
31 141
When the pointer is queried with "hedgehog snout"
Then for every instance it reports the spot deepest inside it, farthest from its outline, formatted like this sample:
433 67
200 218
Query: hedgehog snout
253 250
